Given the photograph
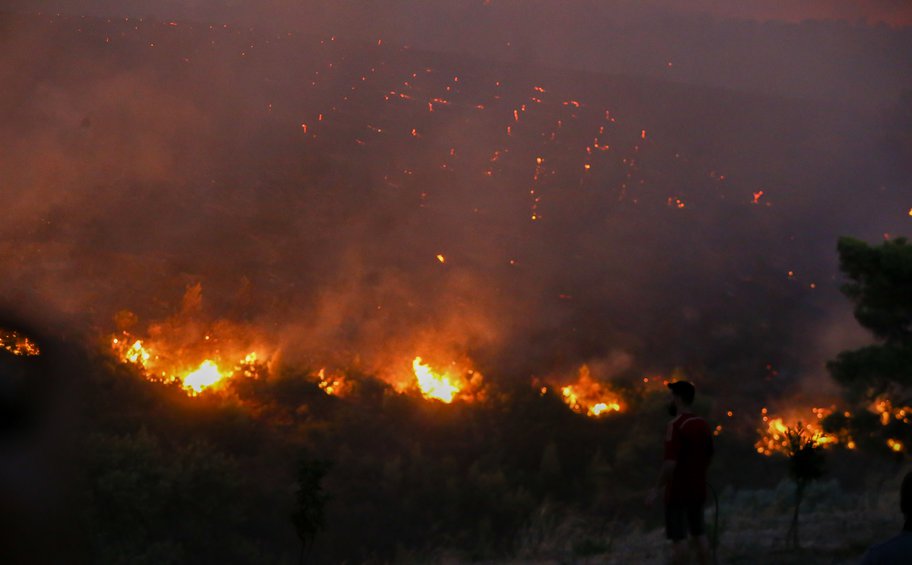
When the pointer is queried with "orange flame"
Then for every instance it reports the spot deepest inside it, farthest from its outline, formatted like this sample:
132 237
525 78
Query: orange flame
18 344
774 437
590 397
884 408
162 368
336 385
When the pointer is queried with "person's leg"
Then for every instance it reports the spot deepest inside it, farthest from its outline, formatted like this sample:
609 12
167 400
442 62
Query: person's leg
697 529
676 531
701 545
679 552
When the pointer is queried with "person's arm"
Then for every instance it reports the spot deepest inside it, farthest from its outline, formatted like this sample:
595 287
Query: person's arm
665 474
668 464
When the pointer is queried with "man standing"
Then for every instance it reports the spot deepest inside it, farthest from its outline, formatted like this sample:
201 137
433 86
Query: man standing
688 451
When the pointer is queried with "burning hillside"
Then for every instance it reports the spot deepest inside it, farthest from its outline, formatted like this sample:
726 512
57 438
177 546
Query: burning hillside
448 385
354 205
331 274
158 365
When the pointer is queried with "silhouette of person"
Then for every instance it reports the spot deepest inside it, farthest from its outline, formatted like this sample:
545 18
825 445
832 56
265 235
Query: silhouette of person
898 549
688 452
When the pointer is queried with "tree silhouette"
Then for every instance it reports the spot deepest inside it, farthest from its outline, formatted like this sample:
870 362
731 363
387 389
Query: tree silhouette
880 285
806 464
309 514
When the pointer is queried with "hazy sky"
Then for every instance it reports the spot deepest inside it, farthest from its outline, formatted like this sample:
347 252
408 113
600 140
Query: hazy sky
895 12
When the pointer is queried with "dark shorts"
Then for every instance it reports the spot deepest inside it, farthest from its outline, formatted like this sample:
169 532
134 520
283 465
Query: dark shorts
681 518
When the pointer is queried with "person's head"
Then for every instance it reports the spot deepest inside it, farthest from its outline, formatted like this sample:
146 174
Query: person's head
905 497
682 396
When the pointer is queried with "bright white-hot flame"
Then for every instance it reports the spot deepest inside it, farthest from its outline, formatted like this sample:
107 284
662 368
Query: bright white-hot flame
138 354
432 385
603 407
205 376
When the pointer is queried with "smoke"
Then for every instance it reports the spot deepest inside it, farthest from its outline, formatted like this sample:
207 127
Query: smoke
182 172
894 12
812 49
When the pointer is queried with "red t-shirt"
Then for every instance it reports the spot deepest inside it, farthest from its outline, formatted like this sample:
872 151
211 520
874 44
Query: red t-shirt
688 441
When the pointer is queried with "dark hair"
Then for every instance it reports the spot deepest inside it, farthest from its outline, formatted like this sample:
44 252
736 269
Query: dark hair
684 390
905 496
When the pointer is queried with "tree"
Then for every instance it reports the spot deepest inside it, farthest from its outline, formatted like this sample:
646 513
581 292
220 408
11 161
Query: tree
309 514
157 503
806 464
878 378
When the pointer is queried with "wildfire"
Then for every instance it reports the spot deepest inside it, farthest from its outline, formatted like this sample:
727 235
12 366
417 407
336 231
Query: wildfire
590 397
442 387
333 385
18 344
774 437
136 353
163 368
205 376
887 412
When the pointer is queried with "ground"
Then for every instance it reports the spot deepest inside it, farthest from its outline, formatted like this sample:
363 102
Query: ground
835 528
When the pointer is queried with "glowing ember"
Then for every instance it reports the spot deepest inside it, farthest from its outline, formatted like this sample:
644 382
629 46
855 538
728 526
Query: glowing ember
887 412
333 385
590 397
895 445
18 344
774 438
433 385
